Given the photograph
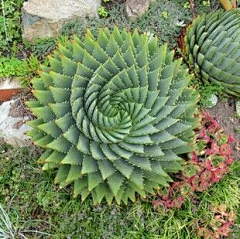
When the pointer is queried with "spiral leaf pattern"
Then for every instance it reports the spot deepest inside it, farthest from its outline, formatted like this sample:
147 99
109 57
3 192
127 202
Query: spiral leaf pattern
113 113
213 49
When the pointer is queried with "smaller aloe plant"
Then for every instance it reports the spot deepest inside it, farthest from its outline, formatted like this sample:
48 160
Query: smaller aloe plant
212 45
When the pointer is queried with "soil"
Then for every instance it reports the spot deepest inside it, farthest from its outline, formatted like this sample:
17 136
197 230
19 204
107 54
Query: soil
18 108
225 114
109 5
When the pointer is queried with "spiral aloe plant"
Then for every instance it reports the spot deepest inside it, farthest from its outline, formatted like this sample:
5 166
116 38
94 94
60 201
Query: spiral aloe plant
113 113
213 48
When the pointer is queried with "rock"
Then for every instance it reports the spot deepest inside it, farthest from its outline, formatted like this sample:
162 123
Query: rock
13 129
41 18
238 108
212 101
136 8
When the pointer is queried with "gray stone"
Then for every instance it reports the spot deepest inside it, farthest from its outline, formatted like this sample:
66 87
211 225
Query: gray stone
213 100
238 108
13 129
45 18
136 8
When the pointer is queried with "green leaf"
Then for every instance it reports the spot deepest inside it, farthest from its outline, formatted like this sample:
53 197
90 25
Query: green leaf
106 168
118 197
50 128
101 190
60 109
55 157
69 66
129 58
172 167
159 179
115 181
37 83
120 151
65 122
79 186
64 51
56 65
124 167
102 39
60 94
60 144
137 178
62 173
61 81
74 173
89 165
77 51
128 194
112 47
109 153
141 161
73 157
83 144
136 148
44 141
72 134
45 155
153 151
94 179
90 62
96 150
43 96
44 113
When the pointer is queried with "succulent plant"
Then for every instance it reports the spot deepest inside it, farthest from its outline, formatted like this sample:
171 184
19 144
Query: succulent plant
114 114
213 48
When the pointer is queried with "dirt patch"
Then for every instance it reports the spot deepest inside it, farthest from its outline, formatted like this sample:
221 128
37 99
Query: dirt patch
19 108
109 5
225 114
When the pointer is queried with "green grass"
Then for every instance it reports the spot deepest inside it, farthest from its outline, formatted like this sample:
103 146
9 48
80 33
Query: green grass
34 204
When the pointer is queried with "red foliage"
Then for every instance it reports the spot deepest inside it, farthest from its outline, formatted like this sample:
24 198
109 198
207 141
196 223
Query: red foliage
219 226
207 165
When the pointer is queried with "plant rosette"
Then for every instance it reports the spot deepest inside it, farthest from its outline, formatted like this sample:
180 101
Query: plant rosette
103 120
219 226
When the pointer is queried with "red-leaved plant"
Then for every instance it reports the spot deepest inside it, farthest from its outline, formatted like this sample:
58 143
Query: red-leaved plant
205 166
219 226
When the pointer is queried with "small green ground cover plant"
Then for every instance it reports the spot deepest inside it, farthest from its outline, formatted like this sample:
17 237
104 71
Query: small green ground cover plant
24 70
206 90
11 67
10 27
